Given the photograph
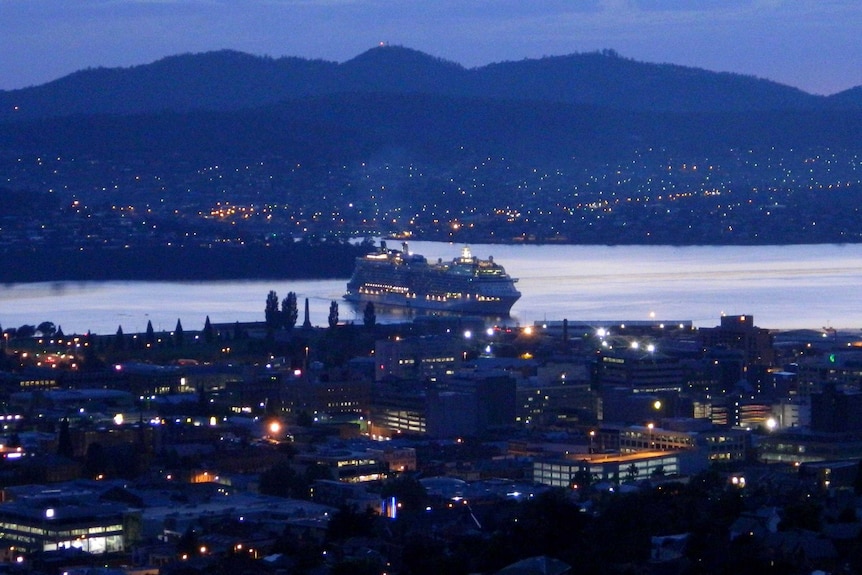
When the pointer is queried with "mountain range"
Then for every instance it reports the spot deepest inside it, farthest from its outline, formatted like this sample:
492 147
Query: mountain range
599 106
229 81
569 148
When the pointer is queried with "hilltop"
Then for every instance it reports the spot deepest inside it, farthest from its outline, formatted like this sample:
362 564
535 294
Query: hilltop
584 148
229 80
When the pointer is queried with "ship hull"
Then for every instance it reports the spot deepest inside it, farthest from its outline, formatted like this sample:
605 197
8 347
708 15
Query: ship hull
471 307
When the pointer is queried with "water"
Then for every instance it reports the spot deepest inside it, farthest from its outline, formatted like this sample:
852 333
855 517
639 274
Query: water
784 287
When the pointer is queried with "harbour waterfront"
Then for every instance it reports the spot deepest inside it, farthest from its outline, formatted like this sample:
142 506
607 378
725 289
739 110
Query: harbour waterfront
784 287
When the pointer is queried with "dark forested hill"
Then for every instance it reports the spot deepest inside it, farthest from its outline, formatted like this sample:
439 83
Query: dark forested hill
848 99
178 263
228 80
580 148
352 126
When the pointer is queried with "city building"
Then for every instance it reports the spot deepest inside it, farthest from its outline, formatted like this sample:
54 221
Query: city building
738 332
469 403
424 357
797 446
642 371
616 468
329 394
347 466
557 394
835 411
715 444
397 459
842 369
92 526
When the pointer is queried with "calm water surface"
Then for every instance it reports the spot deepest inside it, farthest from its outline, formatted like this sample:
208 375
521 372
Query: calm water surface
783 286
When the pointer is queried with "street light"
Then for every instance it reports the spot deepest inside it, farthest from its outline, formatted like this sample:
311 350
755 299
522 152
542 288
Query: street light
650 427
592 437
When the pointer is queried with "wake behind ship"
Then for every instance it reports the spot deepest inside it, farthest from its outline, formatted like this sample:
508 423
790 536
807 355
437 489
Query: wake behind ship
464 285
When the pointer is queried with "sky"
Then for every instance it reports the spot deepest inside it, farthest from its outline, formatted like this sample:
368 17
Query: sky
814 45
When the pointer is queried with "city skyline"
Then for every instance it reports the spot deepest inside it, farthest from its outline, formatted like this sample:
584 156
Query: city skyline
805 44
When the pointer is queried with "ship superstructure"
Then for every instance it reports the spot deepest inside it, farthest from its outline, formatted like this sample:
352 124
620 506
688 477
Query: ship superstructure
466 284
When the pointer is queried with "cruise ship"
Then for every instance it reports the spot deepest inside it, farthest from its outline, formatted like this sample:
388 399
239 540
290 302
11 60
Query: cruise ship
464 285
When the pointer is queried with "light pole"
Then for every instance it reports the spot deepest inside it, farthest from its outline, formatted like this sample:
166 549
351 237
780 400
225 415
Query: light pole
650 427
592 437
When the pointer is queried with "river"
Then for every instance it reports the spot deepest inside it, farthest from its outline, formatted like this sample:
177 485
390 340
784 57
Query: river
784 287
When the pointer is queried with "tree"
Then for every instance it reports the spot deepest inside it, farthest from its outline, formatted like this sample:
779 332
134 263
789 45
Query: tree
179 336
270 312
282 480
803 514
60 332
304 419
333 314
316 471
407 490
151 334
369 565
64 440
188 544
90 360
857 482
96 462
119 339
349 522
369 318
581 480
289 311
209 332
46 328
632 472
25 331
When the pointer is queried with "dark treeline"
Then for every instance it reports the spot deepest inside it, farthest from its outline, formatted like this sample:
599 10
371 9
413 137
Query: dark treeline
291 261
228 80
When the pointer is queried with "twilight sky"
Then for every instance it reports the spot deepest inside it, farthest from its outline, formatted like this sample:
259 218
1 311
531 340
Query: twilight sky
815 45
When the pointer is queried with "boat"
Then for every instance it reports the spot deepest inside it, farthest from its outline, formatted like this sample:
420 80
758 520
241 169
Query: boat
399 278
